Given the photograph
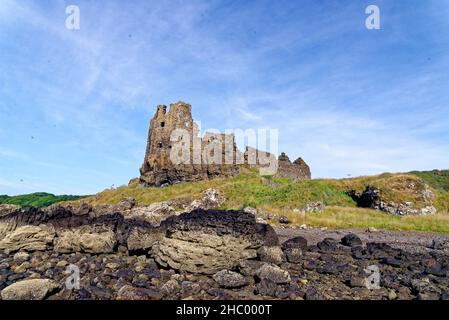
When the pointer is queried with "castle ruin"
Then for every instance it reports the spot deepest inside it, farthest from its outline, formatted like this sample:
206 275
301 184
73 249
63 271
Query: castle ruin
175 152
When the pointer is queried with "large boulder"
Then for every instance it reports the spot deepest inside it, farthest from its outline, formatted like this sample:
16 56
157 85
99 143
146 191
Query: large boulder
33 289
28 238
208 241
90 239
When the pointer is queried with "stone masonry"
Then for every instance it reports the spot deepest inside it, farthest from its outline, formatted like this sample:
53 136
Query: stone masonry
175 152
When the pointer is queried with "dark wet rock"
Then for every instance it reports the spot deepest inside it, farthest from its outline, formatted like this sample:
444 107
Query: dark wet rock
351 240
293 255
328 245
297 242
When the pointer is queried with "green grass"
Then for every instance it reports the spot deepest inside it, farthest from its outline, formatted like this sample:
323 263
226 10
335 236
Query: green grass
250 189
437 179
40 199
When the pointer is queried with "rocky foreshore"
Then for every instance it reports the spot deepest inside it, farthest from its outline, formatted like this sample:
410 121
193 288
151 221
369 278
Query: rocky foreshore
131 252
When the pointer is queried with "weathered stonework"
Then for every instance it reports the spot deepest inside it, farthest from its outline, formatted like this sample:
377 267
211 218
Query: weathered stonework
214 155
203 161
298 170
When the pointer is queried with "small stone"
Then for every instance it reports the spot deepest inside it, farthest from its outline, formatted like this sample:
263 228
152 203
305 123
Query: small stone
23 267
229 279
392 295
112 265
303 227
21 256
284 220
372 229
62 264
293 255
303 281
271 254
171 288
273 273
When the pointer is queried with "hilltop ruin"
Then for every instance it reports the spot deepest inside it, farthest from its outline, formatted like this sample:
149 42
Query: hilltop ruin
175 152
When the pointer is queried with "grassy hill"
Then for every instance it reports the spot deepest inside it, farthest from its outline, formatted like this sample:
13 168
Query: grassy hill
281 196
40 199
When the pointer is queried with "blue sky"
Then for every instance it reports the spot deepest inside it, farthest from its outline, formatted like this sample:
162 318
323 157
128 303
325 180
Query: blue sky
75 104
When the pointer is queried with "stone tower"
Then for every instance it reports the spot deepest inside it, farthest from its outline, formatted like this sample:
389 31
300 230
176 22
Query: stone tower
202 161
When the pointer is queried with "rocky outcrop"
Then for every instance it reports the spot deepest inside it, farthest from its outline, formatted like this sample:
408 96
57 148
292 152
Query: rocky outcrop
28 238
208 241
371 198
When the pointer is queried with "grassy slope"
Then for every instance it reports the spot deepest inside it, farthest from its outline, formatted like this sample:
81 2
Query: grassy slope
249 189
39 199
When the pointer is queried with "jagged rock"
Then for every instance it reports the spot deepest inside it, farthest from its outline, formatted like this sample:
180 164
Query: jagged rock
34 289
297 242
208 241
154 213
273 273
230 279
126 204
90 239
28 238
6 209
351 240
271 254
211 199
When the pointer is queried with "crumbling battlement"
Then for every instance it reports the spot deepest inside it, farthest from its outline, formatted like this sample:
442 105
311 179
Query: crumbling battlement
175 152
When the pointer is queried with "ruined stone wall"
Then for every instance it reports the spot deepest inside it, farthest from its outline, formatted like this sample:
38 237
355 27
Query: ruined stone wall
205 160
298 170
214 155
